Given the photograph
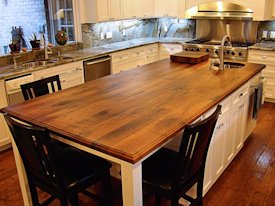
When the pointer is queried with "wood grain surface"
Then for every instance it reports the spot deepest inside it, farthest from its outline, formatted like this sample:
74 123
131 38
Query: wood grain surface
131 113
189 57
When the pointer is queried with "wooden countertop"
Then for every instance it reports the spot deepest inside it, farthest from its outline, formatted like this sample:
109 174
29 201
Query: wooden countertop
130 114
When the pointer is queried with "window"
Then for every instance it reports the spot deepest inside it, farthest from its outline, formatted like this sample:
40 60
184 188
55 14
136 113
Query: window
61 18
34 17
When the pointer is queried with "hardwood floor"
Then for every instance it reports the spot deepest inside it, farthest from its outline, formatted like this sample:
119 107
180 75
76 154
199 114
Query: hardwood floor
249 180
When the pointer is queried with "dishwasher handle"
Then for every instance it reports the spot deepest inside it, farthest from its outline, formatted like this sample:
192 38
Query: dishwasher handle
98 61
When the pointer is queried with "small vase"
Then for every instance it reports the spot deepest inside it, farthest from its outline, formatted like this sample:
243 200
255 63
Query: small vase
15 48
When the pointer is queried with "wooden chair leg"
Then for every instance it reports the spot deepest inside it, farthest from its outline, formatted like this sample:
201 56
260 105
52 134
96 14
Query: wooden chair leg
199 192
108 195
175 201
73 199
158 200
34 194
63 202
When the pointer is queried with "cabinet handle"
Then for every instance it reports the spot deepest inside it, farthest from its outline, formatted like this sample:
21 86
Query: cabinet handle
264 57
241 94
78 69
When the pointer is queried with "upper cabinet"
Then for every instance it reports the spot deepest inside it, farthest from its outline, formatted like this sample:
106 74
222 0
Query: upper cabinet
92 11
148 8
132 9
166 8
262 10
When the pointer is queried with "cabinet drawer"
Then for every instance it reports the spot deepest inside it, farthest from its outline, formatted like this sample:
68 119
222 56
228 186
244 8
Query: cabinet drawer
261 56
150 58
270 82
151 49
137 53
269 92
269 71
120 57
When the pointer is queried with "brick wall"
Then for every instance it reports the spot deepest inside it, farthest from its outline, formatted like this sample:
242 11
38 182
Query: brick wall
29 14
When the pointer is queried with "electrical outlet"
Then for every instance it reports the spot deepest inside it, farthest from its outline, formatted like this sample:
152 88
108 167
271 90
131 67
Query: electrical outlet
264 35
165 28
101 36
272 34
124 32
109 35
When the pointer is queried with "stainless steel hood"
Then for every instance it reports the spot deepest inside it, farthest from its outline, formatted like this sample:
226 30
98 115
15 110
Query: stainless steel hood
221 10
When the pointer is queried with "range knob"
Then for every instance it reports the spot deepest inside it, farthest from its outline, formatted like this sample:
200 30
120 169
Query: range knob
240 54
186 49
216 52
198 49
207 50
233 53
192 49
227 52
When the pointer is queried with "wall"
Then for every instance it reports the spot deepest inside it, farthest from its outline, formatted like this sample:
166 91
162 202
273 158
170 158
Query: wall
265 26
136 29
29 14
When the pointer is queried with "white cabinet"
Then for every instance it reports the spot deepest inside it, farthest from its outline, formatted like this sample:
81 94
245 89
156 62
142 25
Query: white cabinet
132 9
148 8
221 134
181 12
132 58
4 134
92 11
165 50
239 113
215 161
267 58
70 74
262 10
166 8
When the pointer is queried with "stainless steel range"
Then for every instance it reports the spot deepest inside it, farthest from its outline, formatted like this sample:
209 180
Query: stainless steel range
238 51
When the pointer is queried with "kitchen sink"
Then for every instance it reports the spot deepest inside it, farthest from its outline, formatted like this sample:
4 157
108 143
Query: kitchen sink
227 65
34 64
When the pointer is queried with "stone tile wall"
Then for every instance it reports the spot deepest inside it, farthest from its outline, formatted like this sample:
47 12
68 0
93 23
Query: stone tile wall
132 29
29 14
265 26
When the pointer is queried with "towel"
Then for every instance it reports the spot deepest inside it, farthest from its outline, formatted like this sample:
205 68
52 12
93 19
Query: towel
257 100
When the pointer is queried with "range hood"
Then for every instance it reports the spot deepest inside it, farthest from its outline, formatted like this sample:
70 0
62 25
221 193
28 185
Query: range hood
220 10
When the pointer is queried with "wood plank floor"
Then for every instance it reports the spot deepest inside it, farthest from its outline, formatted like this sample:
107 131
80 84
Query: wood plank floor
249 179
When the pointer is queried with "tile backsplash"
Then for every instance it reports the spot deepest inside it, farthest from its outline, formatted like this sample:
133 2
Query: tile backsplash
96 34
267 27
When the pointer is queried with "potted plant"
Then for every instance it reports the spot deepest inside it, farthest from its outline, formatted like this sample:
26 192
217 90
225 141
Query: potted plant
15 47
35 43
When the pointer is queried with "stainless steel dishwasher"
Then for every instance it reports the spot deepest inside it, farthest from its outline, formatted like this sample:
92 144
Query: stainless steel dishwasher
97 67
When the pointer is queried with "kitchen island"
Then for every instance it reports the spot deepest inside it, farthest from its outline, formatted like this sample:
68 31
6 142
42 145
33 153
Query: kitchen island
128 116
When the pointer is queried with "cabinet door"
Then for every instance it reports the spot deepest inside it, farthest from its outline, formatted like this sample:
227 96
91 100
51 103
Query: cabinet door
221 134
138 10
208 177
115 9
161 8
102 10
238 119
181 12
172 8
127 6
148 8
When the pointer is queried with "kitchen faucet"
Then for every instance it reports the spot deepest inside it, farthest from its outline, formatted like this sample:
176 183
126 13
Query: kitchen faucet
47 50
225 39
